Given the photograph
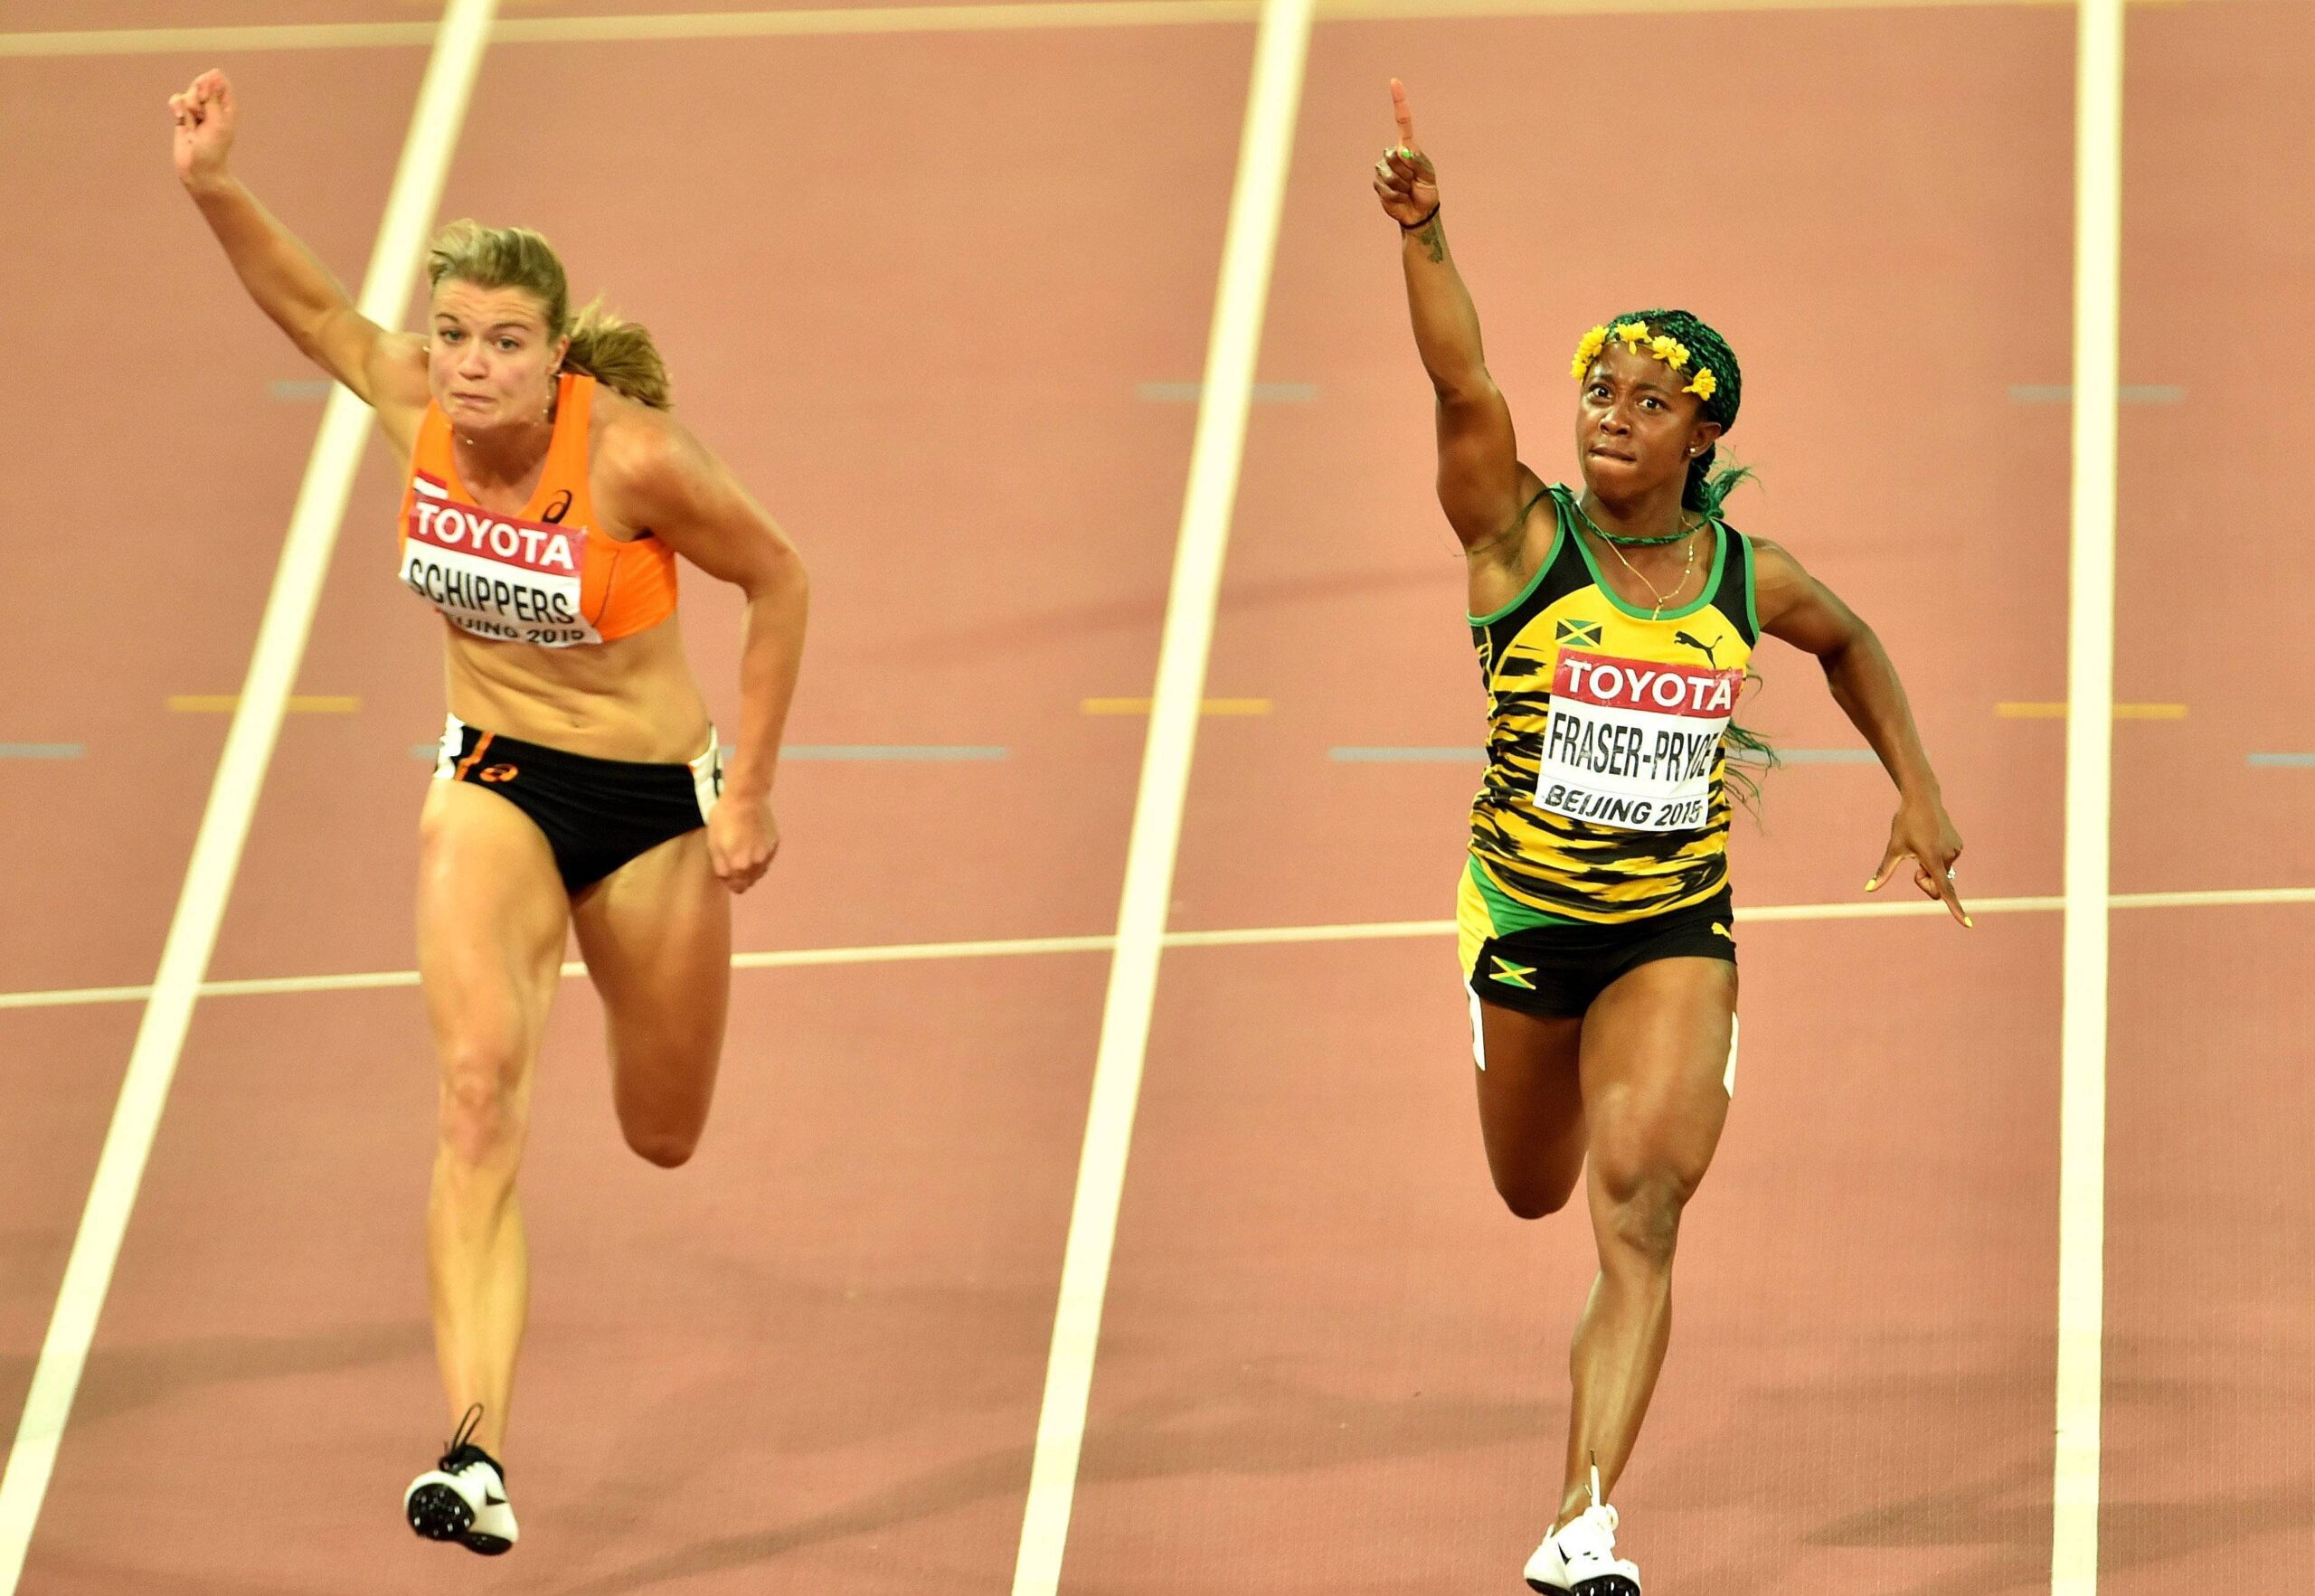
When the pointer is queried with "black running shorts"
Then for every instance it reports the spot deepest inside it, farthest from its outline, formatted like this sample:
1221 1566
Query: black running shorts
596 814
1558 969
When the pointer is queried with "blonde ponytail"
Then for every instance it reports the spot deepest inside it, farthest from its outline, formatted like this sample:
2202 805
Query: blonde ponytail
617 354
620 354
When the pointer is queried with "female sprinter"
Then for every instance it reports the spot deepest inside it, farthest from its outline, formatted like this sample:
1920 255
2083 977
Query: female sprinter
1613 628
549 493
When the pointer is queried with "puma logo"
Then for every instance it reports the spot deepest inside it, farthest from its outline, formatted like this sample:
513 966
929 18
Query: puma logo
1700 646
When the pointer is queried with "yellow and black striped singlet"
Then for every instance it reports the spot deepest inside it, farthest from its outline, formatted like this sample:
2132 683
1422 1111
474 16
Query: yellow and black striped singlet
1603 799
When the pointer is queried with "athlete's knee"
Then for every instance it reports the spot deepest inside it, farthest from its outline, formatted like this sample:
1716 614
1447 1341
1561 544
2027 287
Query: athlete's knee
1529 1198
1642 1218
669 1149
480 1117
663 1090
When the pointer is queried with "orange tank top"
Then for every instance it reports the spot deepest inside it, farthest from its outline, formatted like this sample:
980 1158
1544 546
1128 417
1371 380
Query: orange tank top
545 576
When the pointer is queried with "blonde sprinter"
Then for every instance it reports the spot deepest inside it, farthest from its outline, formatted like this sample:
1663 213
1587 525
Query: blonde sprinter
581 787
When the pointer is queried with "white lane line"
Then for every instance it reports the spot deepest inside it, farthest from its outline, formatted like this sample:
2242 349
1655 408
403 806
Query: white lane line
900 19
1258 196
232 794
2089 782
1248 937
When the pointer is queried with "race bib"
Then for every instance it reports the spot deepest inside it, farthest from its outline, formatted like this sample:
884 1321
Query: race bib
495 576
1631 742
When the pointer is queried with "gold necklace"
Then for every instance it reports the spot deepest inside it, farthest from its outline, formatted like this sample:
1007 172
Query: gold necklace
1662 598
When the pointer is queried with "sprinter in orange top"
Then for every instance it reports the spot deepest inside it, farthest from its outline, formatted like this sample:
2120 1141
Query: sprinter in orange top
580 787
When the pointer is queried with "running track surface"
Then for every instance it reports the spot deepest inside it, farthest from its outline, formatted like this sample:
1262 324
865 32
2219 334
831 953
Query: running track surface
911 287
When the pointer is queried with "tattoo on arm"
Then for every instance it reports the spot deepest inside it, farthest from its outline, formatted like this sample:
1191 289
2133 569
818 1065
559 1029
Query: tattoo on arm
1433 238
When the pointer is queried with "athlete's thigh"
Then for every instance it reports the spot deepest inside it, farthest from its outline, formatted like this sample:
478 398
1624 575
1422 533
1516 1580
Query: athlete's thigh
656 936
492 918
1531 1103
1655 1063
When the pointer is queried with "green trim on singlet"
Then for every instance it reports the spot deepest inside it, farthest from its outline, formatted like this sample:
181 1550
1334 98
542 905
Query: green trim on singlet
1504 911
1711 583
1751 592
1559 530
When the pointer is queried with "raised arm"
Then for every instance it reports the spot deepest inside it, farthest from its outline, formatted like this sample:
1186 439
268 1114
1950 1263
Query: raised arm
386 370
1797 608
1481 483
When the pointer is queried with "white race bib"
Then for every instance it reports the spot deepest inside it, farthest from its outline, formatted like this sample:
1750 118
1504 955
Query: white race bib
1631 742
495 576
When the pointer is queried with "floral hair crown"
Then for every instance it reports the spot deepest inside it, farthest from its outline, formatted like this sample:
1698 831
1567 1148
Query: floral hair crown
1636 334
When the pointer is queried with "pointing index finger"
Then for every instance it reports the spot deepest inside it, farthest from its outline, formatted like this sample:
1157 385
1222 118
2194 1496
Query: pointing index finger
1405 116
1943 885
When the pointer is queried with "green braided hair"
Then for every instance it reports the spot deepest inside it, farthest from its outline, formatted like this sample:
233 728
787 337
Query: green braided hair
1750 756
1706 491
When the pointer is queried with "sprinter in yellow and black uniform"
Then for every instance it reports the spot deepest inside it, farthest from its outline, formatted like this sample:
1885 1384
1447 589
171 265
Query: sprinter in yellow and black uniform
1615 624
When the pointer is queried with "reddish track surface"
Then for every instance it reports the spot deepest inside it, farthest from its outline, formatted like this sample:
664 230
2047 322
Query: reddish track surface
2210 1351
1332 1363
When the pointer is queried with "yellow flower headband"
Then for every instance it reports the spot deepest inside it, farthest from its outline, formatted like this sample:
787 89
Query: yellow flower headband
1634 335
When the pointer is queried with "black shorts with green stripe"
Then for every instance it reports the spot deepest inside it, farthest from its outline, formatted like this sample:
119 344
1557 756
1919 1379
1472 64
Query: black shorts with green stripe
1557 969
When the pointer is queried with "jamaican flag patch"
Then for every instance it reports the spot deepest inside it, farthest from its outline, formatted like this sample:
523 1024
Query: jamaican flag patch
1582 634
1512 974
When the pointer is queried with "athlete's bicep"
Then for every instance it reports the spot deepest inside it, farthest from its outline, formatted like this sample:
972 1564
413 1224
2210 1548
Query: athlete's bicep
1480 474
1795 608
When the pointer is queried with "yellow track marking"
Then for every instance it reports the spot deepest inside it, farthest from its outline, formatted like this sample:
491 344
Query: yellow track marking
2010 710
225 704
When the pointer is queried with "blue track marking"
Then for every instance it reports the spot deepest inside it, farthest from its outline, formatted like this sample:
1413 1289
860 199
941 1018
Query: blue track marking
1406 756
2282 760
42 750
937 751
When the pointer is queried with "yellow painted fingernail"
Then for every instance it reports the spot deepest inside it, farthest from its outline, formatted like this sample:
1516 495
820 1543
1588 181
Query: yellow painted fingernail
1969 923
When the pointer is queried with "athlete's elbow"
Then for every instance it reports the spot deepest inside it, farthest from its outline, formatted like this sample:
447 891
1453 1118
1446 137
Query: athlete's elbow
770 572
1463 387
781 579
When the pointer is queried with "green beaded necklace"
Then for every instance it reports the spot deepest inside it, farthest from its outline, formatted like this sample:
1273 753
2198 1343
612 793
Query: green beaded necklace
1576 503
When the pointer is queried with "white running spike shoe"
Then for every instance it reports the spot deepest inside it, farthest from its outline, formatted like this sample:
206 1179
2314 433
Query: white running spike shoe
1580 1559
463 1497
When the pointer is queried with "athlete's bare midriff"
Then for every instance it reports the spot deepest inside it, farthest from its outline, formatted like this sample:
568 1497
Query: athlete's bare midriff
631 698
